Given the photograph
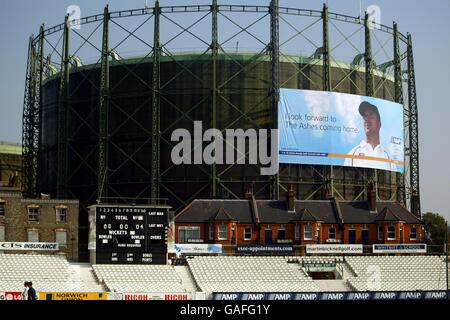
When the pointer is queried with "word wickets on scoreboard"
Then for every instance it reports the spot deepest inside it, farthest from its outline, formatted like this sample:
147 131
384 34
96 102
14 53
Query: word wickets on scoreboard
131 235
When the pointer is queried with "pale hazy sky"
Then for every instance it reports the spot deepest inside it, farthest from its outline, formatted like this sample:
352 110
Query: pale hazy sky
427 21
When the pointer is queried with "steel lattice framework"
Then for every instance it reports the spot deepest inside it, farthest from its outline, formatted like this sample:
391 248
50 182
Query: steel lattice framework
213 88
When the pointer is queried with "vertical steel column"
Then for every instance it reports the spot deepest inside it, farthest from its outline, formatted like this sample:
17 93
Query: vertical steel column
369 83
398 97
28 134
368 58
413 134
103 112
39 110
275 57
156 82
398 89
326 81
214 91
63 107
326 51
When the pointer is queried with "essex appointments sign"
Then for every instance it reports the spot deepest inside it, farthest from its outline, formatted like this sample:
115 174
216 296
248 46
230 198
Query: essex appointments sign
25 246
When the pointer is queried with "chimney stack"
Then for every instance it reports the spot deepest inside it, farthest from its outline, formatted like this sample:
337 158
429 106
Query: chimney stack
290 198
371 197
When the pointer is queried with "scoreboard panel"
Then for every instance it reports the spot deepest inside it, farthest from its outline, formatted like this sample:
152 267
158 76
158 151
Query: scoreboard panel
131 234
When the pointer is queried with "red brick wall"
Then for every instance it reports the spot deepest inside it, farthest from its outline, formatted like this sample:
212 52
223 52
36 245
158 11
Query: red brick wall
342 235
289 231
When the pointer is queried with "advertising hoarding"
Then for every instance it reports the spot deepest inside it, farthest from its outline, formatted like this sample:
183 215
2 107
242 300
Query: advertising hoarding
195 248
25 246
334 248
399 248
330 128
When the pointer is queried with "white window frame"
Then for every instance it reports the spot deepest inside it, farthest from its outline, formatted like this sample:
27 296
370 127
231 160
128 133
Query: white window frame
309 231
411 233
37 215
2 232
61 244
58 215
211 231
329 233
395 233
219 235
245 233
28 235
297 231
380 233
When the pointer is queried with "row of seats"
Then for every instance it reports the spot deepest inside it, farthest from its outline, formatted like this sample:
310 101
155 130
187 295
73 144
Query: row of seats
47 272
379 273
248 274
139 278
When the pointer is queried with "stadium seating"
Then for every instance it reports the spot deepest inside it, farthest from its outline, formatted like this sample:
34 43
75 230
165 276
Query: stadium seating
249 274
139 278
49 273
393 273
53 273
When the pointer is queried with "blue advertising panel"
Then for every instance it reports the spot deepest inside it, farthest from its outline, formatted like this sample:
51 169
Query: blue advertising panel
362 295
329 128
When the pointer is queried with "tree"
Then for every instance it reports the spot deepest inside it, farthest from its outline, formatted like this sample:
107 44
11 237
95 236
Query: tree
434 228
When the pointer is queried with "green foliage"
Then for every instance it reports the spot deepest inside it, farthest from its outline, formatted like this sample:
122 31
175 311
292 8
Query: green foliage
435 226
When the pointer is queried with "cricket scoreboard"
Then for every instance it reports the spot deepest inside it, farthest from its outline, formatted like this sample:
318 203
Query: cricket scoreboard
131 234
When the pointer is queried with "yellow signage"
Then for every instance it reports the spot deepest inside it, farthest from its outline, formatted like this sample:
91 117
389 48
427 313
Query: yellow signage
73 296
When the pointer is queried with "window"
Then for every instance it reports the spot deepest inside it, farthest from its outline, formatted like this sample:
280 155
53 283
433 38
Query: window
61 238
391 233
297 232
61 214
281 234
187 233
222 232
380 233
33 213
332 233
248 233
33 235
2 208
413 234
211 231
308 232
2 233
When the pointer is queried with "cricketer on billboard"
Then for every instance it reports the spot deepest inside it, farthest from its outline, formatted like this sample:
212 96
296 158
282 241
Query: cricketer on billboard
329 128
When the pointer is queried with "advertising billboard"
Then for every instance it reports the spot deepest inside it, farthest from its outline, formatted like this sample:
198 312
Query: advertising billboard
25 246
265 249
334 248
73 296
194 248
400 248
330 128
